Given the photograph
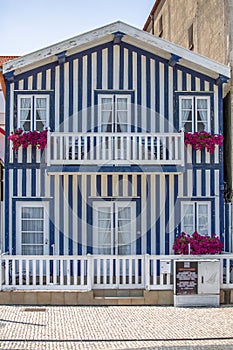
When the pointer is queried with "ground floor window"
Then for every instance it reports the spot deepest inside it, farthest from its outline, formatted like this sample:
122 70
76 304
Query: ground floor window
196 216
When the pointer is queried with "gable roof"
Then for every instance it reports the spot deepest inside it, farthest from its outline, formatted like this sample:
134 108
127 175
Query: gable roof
132 36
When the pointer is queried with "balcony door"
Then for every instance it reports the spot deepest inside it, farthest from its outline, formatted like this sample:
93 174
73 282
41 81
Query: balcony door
114 113
114 229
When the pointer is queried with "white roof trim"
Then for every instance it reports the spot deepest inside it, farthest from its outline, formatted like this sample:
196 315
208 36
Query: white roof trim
132 35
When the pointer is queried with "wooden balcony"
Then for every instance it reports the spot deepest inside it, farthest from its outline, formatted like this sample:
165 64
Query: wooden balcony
75 148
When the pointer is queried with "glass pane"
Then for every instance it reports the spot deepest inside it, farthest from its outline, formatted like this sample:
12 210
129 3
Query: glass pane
31 238
122 104
106 104
32 250
25 102
202 103
186 103
188 209
124 213
32 213
33 225
41 102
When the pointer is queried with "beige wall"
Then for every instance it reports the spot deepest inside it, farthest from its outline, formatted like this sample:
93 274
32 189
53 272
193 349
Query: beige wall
209 26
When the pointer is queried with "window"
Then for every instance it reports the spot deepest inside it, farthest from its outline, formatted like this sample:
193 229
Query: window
196 217
160 26
114 113
194 113
32 238
33 112
190 38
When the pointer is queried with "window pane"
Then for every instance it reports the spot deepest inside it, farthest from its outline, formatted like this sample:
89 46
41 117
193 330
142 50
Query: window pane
187 114
40 113
32 213
25 113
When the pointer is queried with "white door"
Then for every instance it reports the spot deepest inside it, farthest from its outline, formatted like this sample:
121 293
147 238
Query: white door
32 230
114 228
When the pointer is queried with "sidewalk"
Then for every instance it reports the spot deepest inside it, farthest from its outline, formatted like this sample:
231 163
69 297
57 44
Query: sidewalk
116 327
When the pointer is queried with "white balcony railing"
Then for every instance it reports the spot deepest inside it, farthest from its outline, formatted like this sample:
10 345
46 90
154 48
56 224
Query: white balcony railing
115 149
98 272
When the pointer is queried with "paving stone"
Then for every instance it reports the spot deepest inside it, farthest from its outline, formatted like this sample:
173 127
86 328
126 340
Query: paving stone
115 327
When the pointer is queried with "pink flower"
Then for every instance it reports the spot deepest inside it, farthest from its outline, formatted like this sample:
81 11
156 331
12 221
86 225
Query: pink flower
202 139
23 139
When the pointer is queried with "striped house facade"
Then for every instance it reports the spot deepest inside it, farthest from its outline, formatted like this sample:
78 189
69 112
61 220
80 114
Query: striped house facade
122 82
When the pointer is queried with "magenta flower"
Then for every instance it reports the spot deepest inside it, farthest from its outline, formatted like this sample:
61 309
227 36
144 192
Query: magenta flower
202 139
23 139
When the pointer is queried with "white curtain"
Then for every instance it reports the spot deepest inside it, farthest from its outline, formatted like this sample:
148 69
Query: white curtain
202 109
32 230
41 112
186 114
104 231
124 230
106 114
25 113
122 114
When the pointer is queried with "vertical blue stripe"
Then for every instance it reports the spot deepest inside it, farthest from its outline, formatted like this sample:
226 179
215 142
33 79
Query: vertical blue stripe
203 182
176 206
89 91
193 83
34 81
33 182
24 182
157 96
202 85
79 215
15 182
7 248
148 95
148 214
51 215
130 185
61 215
43 79
89 216
42 182
99 69
109 185
98 185
157 196
184 82
138 216
52 105
71 95
121 71
25 83
213 217
166 128
80 90
212 182
167 191
139 92
130 69
61 100
227 226
110 66
185 184
70 214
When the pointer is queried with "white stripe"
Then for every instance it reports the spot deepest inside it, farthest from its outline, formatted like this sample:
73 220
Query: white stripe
216 126
153 214
161 101
75 214
143 212
207 176
143 93
20 183
171 221
189 183
30 82
10 211
126 62
152 94
66 96
94 84
170 100
115 185
134 185
84 96
216 191
75 95
39 81
57 192
198 183
104 69
28 182
197 84
116 66
11 116
179 80
188 81
93 185
66 214
84 214
47 180
57 93
125 185
104 185
48 79
134 62
180 185
162 213
38 174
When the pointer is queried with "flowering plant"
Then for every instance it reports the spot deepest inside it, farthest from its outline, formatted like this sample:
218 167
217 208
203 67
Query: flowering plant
198 244
25 138
202 139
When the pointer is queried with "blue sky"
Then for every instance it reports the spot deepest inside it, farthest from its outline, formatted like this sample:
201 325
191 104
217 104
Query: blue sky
29 25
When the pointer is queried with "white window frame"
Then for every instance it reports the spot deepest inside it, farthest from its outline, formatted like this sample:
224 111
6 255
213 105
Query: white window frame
114 244
194 99
114 98
33 98
32 204
196 207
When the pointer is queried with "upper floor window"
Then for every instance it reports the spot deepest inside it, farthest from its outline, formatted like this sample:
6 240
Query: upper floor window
196 217
33 112
194 113
114 112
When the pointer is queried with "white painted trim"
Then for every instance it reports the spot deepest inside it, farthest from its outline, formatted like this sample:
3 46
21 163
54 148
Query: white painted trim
133 36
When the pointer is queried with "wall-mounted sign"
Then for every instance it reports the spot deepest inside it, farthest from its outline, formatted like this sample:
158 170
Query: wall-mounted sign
186 277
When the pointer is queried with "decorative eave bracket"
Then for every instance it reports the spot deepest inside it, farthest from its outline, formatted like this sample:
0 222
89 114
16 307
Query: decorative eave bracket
61 56
117 38
173 60
221 79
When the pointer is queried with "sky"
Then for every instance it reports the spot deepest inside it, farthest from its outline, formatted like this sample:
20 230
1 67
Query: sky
30 25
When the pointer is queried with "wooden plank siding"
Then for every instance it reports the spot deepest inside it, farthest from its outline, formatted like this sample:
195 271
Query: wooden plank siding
73 87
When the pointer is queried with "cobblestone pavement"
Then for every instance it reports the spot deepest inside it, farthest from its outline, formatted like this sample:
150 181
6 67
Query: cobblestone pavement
116 327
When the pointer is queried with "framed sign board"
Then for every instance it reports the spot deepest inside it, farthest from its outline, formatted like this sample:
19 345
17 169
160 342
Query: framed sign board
186 277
